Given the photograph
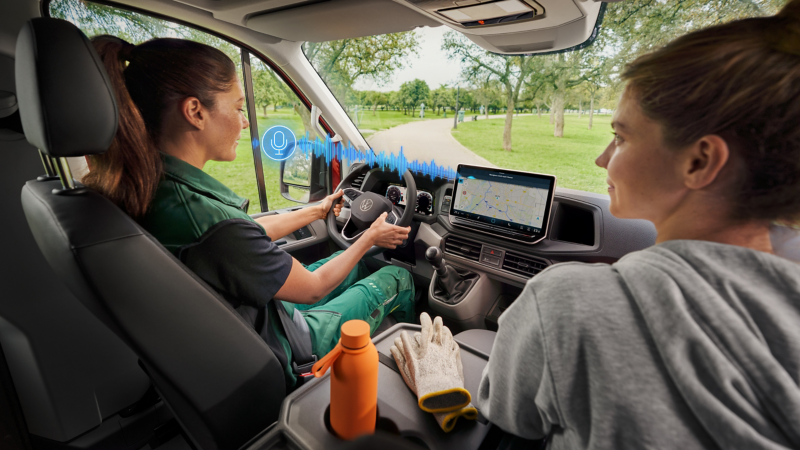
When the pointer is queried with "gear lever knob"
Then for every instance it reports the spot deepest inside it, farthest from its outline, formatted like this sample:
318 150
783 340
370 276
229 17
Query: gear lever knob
434 256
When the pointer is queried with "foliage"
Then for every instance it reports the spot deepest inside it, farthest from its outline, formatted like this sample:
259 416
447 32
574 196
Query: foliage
95 19
267 88
413 93
480 66
341 63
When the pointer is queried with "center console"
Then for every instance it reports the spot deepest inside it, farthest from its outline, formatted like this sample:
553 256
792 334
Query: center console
304 425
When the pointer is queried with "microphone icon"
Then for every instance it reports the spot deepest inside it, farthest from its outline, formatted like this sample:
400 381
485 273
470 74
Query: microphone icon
279 143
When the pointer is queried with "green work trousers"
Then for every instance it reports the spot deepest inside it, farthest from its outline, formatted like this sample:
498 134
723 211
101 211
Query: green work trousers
362 295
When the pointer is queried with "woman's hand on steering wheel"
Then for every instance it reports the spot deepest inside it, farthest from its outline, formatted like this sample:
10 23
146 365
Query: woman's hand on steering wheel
386 235
325 205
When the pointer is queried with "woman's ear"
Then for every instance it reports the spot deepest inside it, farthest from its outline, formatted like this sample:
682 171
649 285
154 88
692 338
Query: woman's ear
193 111
704 160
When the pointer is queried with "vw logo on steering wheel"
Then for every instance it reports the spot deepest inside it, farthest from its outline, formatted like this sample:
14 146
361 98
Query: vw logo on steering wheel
366 205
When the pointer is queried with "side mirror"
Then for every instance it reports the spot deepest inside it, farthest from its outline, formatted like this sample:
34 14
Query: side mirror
303 178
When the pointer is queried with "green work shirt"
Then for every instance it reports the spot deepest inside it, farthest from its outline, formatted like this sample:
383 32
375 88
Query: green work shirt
206 225
187 203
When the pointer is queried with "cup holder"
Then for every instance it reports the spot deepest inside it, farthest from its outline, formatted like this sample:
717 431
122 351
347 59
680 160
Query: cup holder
384 424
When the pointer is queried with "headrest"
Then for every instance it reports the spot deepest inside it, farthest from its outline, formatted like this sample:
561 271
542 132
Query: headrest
8 104
65 98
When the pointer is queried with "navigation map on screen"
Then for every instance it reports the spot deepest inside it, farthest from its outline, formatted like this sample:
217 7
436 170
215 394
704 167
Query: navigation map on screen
511 200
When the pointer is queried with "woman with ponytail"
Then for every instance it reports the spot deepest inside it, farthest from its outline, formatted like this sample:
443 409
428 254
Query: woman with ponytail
181 105
693 343
129 172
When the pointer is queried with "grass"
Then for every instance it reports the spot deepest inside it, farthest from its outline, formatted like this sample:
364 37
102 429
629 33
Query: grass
570 158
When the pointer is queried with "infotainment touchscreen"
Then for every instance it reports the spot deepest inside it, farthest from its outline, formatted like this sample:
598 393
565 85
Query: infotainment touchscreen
510 203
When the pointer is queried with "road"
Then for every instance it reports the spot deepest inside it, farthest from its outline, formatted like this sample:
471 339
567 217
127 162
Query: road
425 141
429 140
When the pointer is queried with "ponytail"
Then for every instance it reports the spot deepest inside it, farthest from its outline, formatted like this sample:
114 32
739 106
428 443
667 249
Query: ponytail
129 172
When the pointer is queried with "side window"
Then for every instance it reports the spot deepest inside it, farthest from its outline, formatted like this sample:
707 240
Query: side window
275 102
277 105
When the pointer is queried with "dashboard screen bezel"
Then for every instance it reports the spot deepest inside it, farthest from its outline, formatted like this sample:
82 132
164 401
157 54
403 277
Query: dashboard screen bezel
488 228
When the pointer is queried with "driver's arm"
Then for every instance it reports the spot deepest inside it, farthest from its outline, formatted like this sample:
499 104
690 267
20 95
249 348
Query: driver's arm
307 287
279 225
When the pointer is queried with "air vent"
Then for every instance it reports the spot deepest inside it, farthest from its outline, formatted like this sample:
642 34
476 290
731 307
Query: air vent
462 247
523 265
358 182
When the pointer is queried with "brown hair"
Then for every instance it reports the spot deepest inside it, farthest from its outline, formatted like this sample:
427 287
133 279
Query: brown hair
740 81
147 79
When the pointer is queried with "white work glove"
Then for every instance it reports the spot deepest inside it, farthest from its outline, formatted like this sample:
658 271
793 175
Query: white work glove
448 420
430 364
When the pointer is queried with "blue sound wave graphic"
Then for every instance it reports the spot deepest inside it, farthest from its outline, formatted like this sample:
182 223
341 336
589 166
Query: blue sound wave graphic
398 163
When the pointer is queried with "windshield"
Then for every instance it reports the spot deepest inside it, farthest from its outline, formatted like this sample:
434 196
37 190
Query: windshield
436 96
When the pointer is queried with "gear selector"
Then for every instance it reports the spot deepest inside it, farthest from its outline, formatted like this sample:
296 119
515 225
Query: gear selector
450 284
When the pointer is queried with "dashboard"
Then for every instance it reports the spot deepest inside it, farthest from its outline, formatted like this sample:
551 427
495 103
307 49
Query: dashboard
571 226
579 228
396 193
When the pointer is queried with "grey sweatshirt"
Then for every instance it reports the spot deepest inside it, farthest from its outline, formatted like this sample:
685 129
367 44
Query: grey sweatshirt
684 345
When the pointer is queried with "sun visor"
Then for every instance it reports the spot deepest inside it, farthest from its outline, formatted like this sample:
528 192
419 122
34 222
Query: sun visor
319 21
516 26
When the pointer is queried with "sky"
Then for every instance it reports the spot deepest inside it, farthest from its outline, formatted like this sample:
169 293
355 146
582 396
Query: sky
430 65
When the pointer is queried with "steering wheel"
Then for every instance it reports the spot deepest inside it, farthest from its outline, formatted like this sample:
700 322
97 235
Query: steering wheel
366 207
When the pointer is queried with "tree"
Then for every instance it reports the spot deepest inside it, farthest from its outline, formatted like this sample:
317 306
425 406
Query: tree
378 98
563 72
535 90
447 98
266 87
396 100
478 64
415 92
95 19
341 63
635 27
436 97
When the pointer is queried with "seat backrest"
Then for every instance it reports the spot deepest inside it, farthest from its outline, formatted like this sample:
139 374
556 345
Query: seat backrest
69 372
220 379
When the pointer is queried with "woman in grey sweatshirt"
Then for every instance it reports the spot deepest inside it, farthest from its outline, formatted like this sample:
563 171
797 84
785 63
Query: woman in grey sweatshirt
694 342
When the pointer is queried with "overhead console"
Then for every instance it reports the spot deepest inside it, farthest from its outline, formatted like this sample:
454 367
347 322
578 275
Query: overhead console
474 14
516 26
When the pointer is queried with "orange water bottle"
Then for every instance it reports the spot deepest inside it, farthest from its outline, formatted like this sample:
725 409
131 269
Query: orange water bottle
354 381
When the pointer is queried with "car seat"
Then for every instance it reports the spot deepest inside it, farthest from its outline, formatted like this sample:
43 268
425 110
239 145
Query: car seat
67 377
215 373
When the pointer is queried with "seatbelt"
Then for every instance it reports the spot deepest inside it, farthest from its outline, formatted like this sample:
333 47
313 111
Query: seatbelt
303 357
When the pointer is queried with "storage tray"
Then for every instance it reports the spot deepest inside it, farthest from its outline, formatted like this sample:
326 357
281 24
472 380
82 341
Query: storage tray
302 421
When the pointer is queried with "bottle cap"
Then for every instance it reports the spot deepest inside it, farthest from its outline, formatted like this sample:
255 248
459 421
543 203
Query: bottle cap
355 334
